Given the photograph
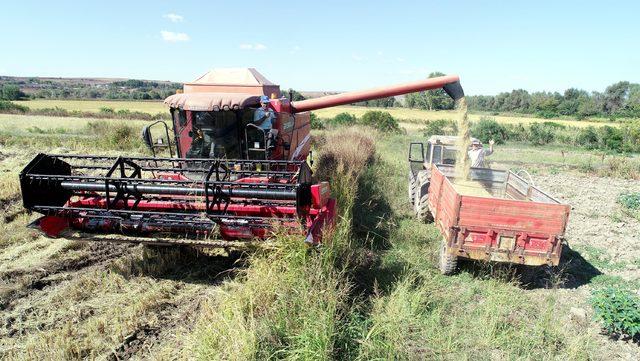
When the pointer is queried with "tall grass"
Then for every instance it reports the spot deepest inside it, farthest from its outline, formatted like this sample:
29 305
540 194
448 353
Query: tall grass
291 302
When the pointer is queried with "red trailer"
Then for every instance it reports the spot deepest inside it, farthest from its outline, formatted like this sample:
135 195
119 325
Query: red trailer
507 220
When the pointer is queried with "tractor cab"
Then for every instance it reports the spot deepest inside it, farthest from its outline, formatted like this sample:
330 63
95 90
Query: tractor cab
439 149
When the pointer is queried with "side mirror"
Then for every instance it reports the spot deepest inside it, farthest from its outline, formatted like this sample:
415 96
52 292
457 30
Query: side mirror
416 152
146 137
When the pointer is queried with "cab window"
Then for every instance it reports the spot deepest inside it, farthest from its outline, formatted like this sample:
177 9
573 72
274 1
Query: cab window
215 135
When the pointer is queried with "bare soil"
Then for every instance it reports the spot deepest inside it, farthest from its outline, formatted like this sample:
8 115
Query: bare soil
603 248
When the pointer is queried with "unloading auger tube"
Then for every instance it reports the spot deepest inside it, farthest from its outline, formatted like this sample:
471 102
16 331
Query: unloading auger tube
450 84
201 200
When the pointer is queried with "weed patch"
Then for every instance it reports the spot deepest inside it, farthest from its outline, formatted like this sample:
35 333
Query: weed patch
618 310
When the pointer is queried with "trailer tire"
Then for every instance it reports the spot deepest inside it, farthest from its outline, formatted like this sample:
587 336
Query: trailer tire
447 263
412 188
421 207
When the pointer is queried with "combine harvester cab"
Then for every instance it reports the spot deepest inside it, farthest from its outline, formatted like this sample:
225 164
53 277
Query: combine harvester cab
225 187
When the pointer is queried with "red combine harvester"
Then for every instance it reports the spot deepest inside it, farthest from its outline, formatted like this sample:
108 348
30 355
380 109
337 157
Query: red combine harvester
223 186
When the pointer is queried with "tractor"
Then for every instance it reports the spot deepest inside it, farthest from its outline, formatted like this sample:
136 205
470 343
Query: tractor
439 149
224 185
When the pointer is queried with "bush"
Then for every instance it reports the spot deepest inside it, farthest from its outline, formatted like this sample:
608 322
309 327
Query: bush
546 114
315 121
114 134
630 200
10 107
345 152
587 137
382 121
631 134
610 138
343 119
517 132
487 129
618 310
541 134
440 127
11 92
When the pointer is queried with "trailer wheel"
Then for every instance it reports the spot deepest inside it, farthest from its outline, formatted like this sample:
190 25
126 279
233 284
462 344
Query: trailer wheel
412 188
421 207
447 262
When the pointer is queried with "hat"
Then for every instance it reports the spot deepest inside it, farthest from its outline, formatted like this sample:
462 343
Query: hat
264 99
475 142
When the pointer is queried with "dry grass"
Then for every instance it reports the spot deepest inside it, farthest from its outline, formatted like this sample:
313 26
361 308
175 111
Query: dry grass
151 107
298 312
417 117
345 152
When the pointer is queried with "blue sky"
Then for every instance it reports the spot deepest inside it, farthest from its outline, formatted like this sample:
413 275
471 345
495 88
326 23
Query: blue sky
330 45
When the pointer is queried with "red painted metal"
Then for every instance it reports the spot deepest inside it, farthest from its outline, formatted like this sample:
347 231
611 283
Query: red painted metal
320 194
488 228
375 93
52 226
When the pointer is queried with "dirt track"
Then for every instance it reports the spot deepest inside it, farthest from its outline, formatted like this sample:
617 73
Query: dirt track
66 299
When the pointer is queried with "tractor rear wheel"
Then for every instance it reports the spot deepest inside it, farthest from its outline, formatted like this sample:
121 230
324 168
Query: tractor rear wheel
421 207
447 262
412 188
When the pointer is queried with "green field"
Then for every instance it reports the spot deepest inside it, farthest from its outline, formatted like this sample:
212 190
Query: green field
411 118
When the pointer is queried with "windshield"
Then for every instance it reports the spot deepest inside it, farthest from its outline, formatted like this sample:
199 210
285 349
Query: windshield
215 135
449 155
444 154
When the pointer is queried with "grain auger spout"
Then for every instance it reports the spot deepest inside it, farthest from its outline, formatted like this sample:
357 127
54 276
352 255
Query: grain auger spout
450 84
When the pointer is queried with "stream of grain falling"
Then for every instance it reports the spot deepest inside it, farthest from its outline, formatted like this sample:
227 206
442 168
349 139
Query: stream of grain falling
463 163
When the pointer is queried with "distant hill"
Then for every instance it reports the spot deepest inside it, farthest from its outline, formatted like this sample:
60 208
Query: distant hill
118 89
91 88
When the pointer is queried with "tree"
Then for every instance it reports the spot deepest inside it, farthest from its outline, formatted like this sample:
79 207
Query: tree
11 92
430 99
615 96
295 95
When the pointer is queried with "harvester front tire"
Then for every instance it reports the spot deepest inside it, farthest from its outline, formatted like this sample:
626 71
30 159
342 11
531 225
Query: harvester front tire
447 262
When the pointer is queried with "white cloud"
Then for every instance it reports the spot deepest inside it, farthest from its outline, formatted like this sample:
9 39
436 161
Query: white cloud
174 18
256 47
357 57
400 60
174 37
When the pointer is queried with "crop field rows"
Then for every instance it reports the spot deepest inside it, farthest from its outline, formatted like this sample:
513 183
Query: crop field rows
373 292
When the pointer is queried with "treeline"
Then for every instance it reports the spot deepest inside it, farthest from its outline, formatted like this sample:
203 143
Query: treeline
619 100
37 88
623 139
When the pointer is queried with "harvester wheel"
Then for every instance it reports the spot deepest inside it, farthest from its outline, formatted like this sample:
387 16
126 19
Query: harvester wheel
421 206
447 262
412 188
